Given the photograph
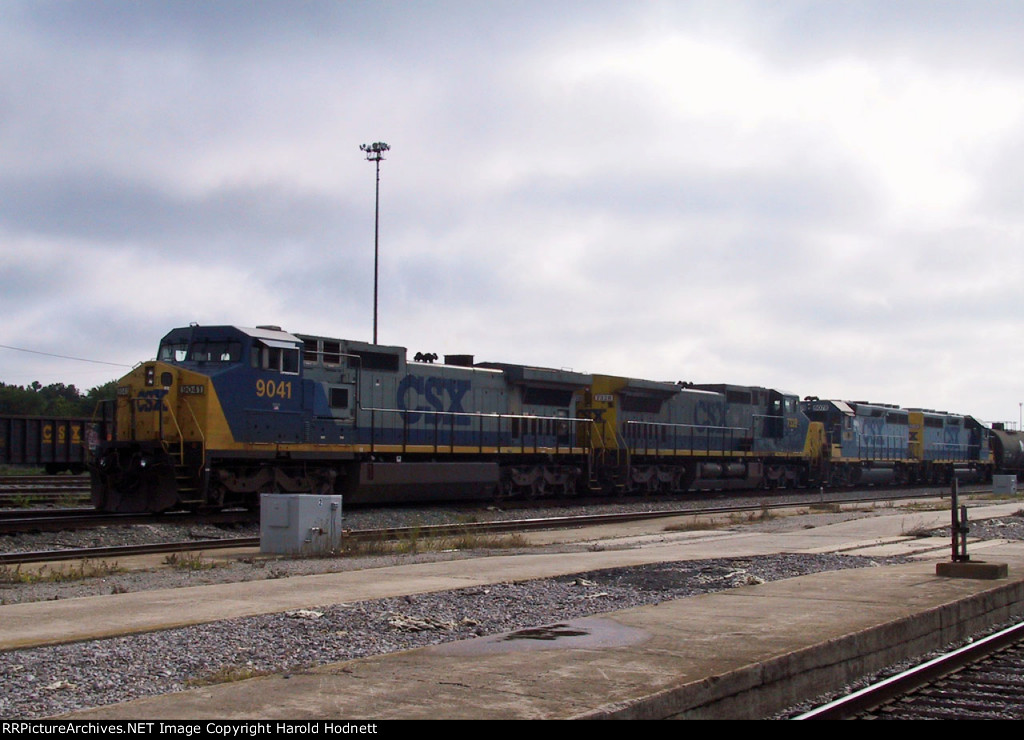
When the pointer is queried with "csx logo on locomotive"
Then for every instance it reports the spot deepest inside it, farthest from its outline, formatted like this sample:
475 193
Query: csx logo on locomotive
151 400
416 393
710 413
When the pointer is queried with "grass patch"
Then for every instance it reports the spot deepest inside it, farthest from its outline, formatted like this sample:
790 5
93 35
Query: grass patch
926 506
65 573
696 524
989 496
471 541
764 514
826 508
414 542
188 561
21 501
19 470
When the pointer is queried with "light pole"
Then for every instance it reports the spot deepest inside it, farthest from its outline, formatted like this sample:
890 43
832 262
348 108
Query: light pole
375 153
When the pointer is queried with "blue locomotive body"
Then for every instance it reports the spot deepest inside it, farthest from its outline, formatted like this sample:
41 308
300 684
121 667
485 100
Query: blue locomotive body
885 444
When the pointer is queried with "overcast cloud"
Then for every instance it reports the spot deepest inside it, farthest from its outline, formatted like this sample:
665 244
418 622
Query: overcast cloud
816 196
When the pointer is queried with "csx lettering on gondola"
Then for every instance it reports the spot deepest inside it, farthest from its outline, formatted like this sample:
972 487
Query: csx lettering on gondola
416 393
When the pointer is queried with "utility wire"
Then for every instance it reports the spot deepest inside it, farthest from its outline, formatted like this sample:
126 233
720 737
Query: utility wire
63 357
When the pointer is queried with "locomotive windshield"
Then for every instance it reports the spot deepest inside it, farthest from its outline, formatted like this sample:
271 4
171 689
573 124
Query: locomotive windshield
201 351
173 352
215 351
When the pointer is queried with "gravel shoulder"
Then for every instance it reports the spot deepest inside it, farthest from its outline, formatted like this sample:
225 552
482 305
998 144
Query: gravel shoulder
118 577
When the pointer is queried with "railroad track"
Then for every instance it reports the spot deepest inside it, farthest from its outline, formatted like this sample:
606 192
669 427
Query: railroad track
383 534
29 490
14 521
19 483
391 533
982 680
17 520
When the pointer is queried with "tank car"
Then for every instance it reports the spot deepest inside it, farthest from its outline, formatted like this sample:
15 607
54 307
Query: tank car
1007 450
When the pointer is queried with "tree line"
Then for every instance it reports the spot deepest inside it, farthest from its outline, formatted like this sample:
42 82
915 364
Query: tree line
55 399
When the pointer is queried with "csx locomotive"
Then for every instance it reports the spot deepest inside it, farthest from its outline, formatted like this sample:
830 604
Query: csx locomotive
225 413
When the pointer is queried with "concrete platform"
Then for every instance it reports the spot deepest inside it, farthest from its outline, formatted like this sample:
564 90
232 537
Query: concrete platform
743 653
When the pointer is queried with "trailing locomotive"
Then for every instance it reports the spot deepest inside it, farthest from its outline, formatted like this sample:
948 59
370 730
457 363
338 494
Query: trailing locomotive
225 413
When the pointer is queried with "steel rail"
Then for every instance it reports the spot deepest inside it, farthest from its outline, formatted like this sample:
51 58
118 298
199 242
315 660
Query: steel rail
396 533
891 688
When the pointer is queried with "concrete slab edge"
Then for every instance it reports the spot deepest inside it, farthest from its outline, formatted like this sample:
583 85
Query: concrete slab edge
763 689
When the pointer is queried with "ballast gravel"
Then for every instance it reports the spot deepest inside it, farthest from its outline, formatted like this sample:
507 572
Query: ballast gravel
47 681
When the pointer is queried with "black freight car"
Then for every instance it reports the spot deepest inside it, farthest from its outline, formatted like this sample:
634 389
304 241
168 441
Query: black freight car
57 444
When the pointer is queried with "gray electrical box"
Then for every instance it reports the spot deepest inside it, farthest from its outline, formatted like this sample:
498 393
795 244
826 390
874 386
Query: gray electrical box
1004 485
299 524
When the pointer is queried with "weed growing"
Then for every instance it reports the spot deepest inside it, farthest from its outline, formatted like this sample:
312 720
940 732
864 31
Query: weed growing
413 543
826 508
188 561
695 524
65 573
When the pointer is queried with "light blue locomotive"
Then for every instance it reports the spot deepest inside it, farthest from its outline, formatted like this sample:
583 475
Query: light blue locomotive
873 443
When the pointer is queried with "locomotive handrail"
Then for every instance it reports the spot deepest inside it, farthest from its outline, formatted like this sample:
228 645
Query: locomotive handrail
945 451
481 417
133 403
706 430
894 447
177 427
882 446
202 435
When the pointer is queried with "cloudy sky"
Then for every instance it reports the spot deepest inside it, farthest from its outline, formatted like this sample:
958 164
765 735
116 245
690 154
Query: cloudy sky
823 197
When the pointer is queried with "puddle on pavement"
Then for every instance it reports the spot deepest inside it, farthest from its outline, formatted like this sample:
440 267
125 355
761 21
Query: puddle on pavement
550 632
589 632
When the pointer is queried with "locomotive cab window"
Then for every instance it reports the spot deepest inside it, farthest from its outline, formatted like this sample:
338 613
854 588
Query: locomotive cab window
277 357
216 352
173 352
